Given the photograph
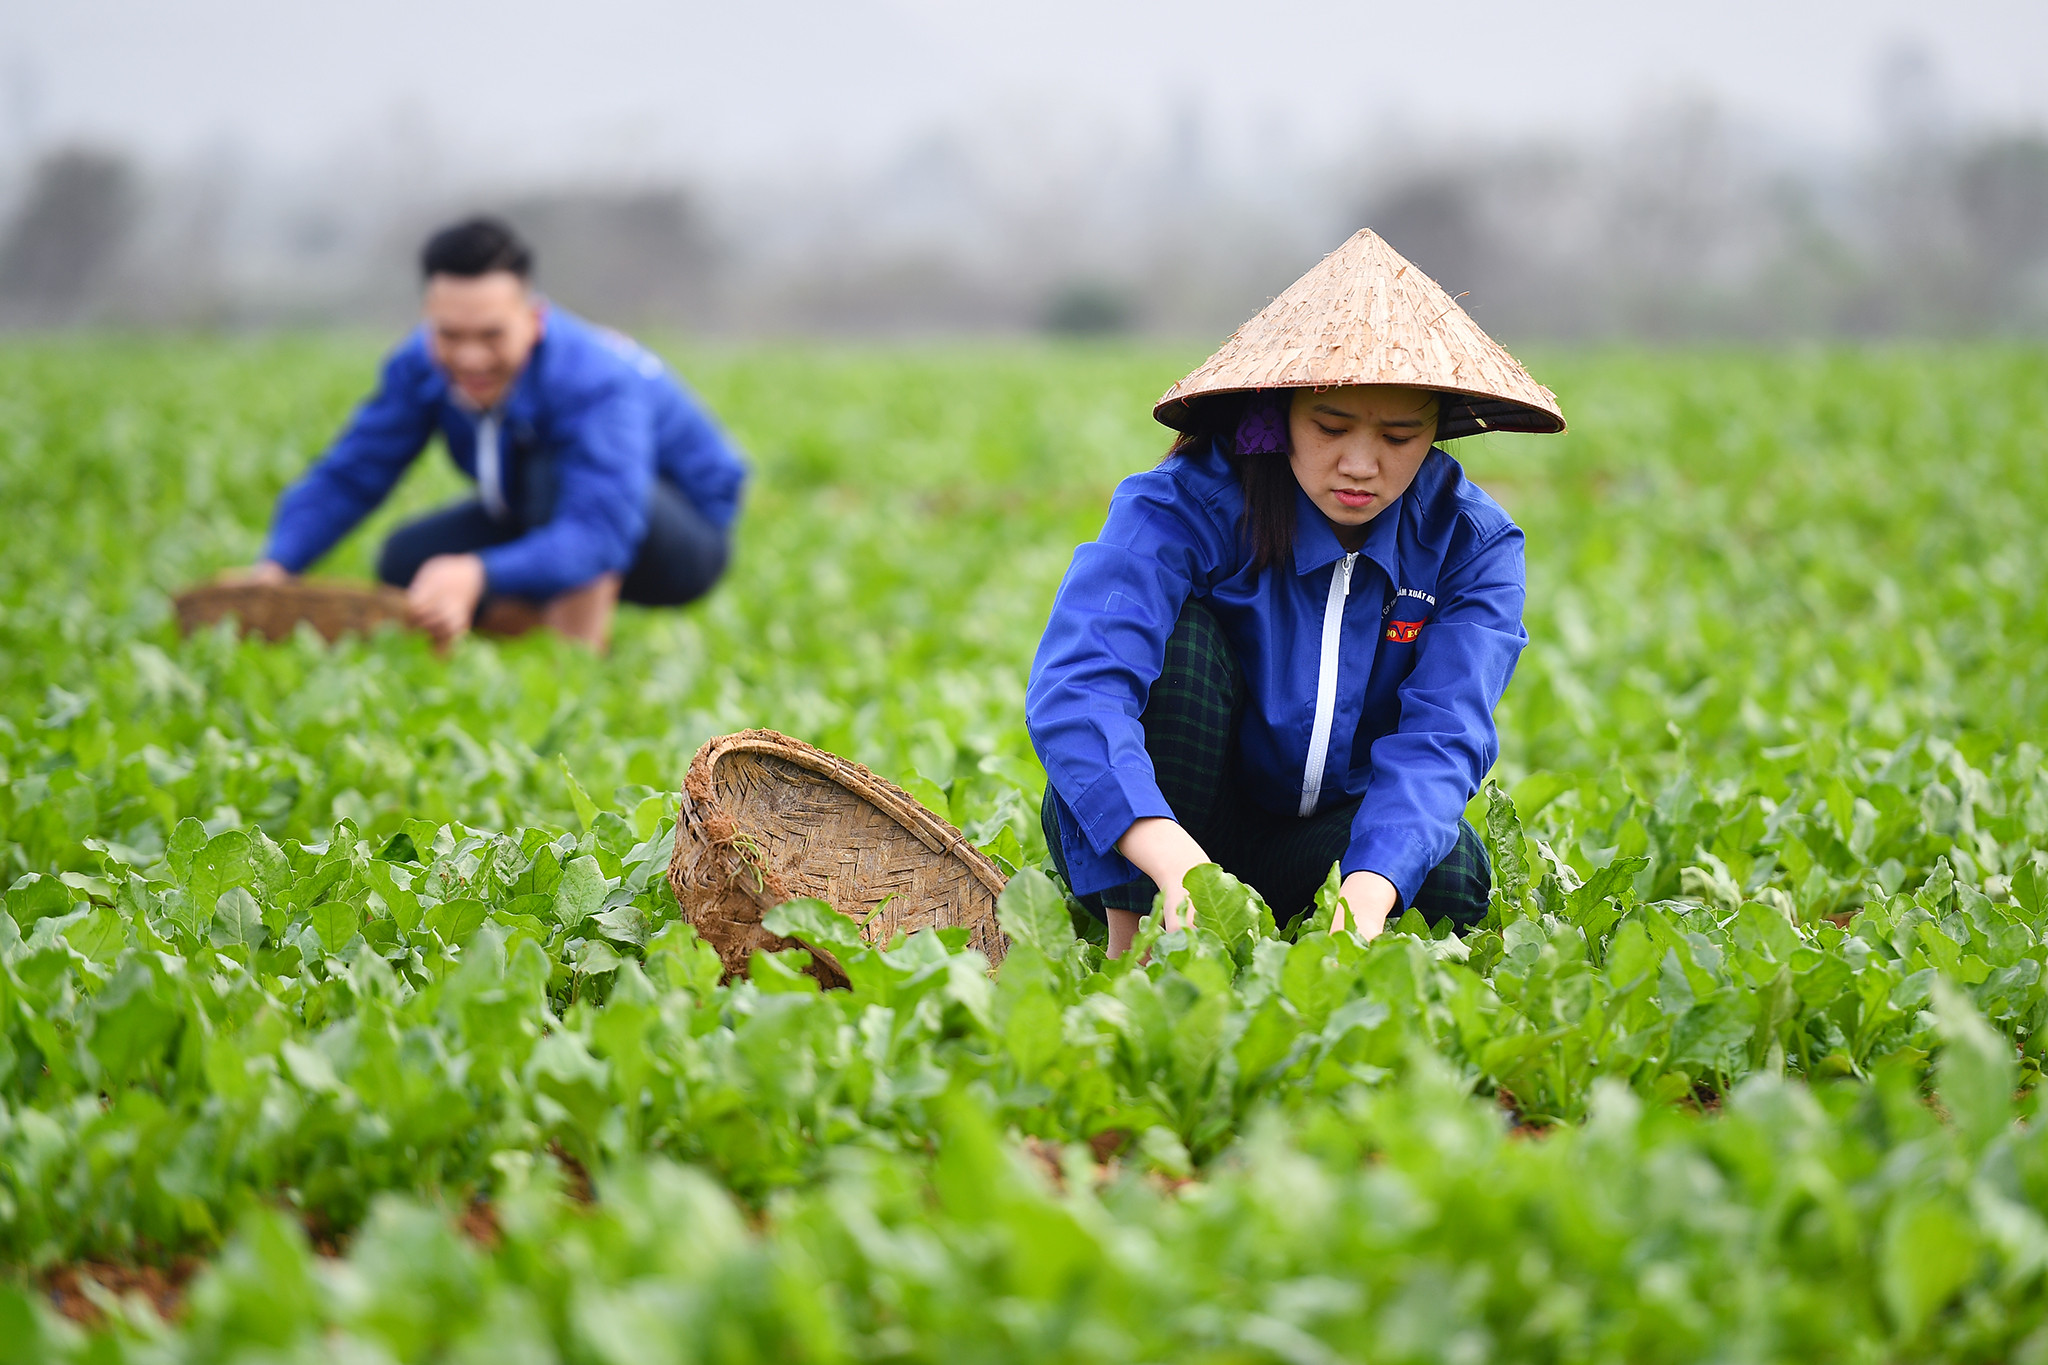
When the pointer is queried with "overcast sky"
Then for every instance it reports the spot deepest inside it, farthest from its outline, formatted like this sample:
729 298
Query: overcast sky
691 86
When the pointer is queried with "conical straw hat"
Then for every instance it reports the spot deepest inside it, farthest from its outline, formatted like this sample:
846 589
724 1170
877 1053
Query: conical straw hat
1367 316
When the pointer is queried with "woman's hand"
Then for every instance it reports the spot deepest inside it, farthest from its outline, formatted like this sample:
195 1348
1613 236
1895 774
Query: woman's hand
1370 899
1166 853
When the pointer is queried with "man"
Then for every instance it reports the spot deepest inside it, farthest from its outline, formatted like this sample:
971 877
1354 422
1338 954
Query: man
599 477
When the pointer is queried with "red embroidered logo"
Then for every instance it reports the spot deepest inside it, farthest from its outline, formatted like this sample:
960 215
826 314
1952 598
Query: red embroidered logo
1404 632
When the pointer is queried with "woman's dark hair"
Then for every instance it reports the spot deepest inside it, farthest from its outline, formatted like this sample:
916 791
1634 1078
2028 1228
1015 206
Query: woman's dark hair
1263 470
1266 477
473 247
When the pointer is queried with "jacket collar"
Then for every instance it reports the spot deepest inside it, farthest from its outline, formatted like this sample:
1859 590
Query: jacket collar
1315 543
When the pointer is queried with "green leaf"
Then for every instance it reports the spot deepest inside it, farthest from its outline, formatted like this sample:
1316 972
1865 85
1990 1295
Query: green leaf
1505 847
586 809
649 813
100 936
336 923
622 923
186 915
393 883
596 957
225 862
1226 906
563 1069
1977 1070
22 1338
1005 851
37 897
311 1068
678 958
1590 906
1266 1041
135 1020
183 848
1322 915
2030 887
1538 790
454 921
817 924
1164 1152
1033 1032
929 794
580 892
237 919
399 848
1031 910
1930 1251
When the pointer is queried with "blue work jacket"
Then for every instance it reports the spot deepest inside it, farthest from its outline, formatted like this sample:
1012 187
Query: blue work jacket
603 410
1372 675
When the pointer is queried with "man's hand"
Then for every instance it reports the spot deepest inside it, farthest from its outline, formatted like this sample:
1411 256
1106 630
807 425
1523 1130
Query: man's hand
443 596
1370 899
266 571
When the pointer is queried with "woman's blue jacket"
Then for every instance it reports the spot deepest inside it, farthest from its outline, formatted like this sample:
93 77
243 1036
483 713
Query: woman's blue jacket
1405 649
603 410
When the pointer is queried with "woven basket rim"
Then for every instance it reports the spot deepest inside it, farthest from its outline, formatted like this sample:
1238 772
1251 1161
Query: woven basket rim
700 786
301 589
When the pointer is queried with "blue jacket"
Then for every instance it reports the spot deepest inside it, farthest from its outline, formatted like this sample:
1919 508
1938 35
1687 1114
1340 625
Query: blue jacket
1427 630
605 410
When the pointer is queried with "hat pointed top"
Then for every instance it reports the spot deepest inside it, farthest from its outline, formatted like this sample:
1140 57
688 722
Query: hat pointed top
1366 315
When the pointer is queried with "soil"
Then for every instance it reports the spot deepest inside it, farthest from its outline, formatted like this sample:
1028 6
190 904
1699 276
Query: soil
163 1288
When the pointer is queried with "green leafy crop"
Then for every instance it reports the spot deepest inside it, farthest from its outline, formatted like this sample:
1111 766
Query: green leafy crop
344 984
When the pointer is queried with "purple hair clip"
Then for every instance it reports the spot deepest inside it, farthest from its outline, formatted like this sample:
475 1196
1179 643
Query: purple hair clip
1263 428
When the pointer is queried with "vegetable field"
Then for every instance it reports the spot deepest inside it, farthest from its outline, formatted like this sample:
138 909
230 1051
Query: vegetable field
345 1013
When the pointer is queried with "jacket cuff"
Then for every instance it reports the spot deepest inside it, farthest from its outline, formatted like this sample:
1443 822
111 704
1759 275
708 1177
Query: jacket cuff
1087 871
507 571
290 559
1399 854
1114 804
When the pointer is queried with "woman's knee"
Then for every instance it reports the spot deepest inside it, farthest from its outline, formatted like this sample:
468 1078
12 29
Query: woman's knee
1199 659
1461 886
1190 718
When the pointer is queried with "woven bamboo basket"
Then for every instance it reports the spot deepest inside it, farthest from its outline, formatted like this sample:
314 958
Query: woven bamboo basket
272 610
766 818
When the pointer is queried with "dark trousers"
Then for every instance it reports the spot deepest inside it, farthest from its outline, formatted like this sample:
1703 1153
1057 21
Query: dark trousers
680 559
1191 721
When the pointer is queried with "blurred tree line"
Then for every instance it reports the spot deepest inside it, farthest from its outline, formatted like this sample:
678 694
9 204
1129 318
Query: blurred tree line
1676 231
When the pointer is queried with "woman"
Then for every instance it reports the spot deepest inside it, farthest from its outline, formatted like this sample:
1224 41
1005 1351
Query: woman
1285 649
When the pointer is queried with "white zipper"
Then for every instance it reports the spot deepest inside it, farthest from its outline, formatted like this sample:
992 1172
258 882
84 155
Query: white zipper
490 482
1326 686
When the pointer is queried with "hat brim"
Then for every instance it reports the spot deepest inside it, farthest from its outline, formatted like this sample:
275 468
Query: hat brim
1461 413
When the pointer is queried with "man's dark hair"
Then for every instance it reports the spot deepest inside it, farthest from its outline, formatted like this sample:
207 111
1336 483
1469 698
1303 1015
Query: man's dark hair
473 247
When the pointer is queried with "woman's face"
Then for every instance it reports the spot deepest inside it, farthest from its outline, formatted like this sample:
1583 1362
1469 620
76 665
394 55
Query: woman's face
1357 449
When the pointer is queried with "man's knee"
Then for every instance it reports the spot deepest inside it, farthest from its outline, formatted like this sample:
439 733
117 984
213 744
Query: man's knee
682 556
401 557
464 528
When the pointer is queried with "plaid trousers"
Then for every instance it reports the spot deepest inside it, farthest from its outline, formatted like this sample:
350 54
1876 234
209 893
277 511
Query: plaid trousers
1190 721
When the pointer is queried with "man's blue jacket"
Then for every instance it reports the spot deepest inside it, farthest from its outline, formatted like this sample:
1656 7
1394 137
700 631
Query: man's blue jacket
1368 675
603 410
